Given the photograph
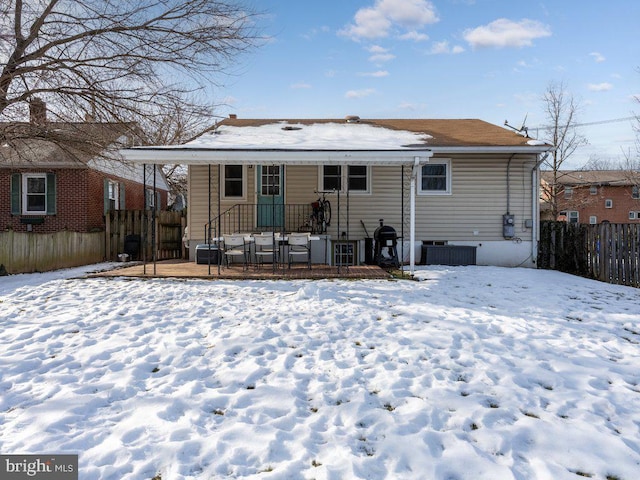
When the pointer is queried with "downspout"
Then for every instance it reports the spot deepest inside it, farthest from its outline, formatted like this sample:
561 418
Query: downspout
508 183
535 207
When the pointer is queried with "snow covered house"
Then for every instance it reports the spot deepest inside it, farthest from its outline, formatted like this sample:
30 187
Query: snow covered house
441 184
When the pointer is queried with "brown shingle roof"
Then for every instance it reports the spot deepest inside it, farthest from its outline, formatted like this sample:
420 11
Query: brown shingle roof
445 132
593 177
59 144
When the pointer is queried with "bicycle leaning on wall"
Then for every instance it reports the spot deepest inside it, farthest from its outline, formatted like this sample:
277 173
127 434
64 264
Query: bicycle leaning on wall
320 214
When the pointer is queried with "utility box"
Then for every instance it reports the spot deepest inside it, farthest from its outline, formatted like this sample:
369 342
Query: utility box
207 254
508 226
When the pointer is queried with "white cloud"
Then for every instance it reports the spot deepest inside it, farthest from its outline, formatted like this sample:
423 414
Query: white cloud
360 93
379 20
300 85
381 57
597 57
412 106
378 74
506 33
600 87
441 48
415 36
377 49
380 54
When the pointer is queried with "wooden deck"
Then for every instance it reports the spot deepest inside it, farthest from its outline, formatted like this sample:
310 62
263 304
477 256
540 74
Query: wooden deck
186 269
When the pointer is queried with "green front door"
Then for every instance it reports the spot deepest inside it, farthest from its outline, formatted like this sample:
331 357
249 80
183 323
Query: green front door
270 212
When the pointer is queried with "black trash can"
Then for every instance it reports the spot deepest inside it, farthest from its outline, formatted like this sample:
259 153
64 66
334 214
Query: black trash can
132 246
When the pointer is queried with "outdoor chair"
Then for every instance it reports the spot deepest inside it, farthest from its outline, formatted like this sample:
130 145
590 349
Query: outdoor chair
235 246
299 248
266 245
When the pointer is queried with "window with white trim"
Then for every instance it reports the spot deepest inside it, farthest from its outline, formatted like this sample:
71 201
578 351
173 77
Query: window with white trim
113 195
233 181
270 181
593 190
435 178
150 199
356 178
632 215
568 192
34 193
593 219
608 203
573 216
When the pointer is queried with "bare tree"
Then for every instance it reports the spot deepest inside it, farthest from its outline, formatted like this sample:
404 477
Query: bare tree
561 111
122 60
174 124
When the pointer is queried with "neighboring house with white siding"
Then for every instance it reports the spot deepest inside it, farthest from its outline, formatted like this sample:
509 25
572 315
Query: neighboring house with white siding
437 182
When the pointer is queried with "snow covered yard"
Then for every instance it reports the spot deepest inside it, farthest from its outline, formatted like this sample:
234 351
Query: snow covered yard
472 373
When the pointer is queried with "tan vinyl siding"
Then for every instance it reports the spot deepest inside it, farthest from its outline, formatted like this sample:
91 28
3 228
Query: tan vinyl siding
198 196
477 202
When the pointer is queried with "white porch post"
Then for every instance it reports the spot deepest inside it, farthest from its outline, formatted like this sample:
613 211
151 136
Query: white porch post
412 216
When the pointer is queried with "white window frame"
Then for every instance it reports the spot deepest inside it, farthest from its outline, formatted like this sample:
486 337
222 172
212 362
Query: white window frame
593 190
632 215
113 195
25 193
344 178
608 203
568 192
150 199
436 161
573 215
593 219
223 183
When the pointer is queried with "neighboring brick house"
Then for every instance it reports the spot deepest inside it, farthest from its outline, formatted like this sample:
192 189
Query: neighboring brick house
50 186
594 196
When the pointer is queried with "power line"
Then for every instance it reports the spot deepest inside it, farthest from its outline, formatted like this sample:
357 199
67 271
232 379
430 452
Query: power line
588 124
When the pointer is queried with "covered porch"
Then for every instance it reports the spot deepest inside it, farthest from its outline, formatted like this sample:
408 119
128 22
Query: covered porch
287 148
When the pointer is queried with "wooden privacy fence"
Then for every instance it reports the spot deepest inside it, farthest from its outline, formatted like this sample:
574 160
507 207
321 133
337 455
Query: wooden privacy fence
609 252
22 252
164 229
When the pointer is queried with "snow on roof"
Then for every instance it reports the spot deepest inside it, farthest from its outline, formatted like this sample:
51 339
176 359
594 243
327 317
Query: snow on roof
317 136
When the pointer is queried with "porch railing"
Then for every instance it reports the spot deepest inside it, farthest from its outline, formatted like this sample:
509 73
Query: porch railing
252 217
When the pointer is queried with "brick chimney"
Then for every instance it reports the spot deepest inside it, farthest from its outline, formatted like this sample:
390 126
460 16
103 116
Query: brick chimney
233 116
37 111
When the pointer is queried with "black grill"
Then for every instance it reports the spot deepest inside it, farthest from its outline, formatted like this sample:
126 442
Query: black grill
386 248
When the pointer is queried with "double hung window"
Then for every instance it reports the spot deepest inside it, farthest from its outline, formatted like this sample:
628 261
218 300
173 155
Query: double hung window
435 178
355 178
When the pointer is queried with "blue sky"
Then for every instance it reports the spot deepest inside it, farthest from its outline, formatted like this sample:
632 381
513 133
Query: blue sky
487 59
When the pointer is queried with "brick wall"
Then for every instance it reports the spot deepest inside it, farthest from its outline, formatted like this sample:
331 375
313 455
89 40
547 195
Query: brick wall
588 205
79 201
70 212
